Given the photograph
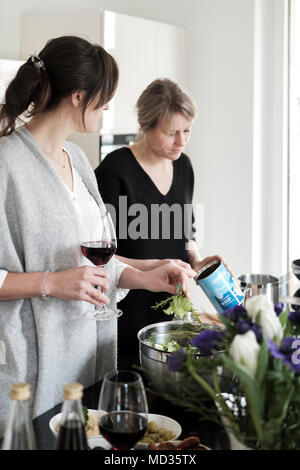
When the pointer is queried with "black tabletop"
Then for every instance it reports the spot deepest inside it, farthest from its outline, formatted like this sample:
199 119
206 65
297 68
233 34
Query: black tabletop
210 434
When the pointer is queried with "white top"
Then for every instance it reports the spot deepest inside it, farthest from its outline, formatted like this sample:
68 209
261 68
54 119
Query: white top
2 276
89 215
86 208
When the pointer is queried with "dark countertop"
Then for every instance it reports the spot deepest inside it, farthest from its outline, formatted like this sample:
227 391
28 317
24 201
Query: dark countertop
210 434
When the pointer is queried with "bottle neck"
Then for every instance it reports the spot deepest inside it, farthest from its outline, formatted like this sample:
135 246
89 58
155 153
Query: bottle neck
72 434
19 433
72 411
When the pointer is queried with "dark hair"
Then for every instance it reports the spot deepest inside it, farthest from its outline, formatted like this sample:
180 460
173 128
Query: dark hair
161 100
70 64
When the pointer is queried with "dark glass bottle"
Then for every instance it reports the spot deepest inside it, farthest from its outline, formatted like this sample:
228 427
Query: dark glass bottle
19 433
72 434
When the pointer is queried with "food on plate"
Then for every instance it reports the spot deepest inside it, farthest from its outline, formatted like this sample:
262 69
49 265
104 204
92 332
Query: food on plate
91 424
92 427
190 443
156 434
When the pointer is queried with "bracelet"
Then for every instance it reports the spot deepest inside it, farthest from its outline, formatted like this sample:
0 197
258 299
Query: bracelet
43 285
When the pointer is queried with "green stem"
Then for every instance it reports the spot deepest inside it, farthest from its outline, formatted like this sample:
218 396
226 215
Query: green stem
256 419
195 316
215 380
217 398
201 381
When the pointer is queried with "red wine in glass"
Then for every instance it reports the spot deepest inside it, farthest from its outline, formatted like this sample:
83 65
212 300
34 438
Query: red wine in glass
98 252
123 429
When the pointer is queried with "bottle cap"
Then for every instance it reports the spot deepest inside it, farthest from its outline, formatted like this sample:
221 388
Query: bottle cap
20 391
73 391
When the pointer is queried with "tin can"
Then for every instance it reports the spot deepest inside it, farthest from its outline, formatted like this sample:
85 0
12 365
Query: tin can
219 286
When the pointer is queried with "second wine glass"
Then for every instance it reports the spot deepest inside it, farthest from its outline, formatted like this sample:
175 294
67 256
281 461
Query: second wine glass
123 397
99 252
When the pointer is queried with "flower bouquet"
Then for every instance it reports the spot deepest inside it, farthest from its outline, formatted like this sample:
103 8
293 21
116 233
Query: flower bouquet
260 346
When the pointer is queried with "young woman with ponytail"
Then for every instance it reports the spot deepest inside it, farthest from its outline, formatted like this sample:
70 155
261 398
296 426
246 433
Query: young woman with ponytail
49 203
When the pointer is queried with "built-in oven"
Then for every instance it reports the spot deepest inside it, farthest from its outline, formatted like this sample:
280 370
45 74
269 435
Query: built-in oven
111 142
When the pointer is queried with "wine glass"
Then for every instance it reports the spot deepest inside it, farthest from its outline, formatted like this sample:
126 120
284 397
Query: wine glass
123 398
99 252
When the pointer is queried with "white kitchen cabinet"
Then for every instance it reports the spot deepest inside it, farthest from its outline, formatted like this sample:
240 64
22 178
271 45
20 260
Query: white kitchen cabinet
171 53
144 50
134 47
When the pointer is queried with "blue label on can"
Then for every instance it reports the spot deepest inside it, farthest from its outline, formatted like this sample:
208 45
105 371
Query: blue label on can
221 289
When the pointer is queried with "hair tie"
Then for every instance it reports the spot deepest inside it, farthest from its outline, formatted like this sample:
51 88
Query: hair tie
37 62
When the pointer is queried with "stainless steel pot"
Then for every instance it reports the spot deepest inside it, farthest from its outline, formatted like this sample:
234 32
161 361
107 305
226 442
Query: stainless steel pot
260 284
155 362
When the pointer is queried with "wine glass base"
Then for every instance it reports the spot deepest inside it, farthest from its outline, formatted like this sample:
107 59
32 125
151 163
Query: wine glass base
103 315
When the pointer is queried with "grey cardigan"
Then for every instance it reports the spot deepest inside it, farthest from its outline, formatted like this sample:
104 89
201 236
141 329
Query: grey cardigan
48 343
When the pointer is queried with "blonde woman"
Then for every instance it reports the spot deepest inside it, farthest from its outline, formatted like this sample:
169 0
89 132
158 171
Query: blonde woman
153 182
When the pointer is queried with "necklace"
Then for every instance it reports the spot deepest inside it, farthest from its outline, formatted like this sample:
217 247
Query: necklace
50 157
58 161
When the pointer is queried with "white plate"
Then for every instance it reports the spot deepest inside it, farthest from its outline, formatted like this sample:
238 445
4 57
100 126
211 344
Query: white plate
55 420
161 421
99 441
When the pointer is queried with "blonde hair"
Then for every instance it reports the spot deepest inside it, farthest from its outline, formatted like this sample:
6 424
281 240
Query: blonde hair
160 101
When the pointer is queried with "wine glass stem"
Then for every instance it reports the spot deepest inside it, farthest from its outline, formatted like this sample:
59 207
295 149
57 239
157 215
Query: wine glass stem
103 306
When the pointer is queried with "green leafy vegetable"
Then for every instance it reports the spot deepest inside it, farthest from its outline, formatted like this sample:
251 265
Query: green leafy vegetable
179 288
179 305
86 414
170 346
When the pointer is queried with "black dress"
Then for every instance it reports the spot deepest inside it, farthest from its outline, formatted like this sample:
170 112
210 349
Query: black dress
149 225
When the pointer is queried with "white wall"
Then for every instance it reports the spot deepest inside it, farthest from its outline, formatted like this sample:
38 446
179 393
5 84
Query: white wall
270 137
221 145
168 11
222 77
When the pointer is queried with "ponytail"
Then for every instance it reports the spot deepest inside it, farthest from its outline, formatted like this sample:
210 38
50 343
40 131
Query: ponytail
29 92
66 64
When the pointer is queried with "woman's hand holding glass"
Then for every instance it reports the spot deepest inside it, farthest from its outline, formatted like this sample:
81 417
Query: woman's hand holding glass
79 284
99 251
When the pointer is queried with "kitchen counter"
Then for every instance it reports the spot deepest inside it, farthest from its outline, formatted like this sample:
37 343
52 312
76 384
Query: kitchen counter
210 434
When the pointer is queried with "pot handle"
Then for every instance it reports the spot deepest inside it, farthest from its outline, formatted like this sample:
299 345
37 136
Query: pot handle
247 291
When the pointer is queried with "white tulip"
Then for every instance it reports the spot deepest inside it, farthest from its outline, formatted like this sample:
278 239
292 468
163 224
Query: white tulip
271 326
259 302
269 322
244 350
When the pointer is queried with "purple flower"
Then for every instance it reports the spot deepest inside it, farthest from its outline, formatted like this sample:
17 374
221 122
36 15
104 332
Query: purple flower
244 326
278 308
176 360
235 314
294 318
206 341
287 351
